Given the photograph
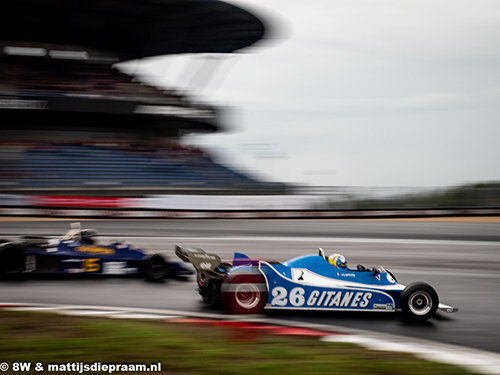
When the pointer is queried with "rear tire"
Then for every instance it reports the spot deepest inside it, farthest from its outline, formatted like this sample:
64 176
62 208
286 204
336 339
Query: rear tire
244 294
419 301
12 261
156 267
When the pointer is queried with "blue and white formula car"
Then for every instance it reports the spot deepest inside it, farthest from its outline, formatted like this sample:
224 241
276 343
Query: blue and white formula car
77 252
310 282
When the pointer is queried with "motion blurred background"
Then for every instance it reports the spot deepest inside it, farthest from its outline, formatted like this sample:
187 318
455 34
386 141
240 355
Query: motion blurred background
269 108
182 105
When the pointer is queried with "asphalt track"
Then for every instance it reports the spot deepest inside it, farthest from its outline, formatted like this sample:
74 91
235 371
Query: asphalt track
460 259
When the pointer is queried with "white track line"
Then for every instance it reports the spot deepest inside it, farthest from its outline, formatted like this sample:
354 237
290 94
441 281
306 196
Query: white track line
475 360
315 240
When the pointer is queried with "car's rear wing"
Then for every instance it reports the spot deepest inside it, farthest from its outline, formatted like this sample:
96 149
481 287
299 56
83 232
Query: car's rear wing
201 260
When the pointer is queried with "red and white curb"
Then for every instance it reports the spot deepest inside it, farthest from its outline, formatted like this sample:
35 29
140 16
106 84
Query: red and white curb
476 360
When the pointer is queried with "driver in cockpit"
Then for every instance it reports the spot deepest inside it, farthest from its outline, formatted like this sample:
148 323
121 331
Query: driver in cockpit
88 236
338 261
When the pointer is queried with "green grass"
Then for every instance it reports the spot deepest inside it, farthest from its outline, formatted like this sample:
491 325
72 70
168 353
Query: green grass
191 348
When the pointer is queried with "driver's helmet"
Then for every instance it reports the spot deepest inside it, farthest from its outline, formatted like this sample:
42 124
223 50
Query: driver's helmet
88 235
337 260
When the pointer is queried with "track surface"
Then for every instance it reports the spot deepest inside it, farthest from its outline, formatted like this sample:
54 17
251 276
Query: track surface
461 260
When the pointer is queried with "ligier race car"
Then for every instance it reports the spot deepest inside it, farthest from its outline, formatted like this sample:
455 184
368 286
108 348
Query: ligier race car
310 282
77 252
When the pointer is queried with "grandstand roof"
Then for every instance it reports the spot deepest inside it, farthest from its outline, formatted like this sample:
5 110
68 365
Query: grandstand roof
129 29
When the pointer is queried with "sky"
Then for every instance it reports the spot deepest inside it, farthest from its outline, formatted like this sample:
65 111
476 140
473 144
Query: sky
373 93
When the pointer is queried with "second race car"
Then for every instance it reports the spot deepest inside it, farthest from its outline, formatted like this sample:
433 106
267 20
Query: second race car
77 252
310 282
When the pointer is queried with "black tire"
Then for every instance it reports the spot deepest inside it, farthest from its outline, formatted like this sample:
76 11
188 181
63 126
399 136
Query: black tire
419 301
244 294
156 267
12 261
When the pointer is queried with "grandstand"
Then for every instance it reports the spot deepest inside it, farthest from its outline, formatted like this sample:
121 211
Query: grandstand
116 170
74 124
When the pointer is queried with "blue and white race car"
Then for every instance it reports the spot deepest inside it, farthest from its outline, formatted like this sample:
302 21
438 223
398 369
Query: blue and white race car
310 282
77 252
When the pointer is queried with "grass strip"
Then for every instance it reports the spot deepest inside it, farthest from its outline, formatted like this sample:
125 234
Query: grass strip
190 348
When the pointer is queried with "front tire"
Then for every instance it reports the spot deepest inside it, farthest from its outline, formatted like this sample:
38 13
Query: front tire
419 301
156 267
244 294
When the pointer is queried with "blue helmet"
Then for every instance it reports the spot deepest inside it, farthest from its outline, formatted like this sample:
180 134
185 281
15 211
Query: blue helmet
337 260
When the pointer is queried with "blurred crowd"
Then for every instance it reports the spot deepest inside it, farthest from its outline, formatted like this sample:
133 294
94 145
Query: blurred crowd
11 151
139 166
80 157
45 75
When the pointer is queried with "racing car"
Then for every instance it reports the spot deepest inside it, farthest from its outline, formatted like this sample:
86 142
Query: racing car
77 252
310 282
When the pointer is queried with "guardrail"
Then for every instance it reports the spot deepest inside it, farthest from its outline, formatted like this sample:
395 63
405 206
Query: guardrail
217 206
116 213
